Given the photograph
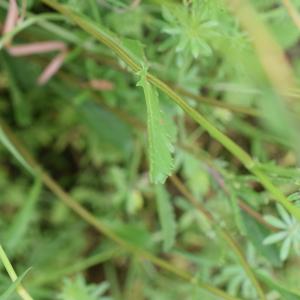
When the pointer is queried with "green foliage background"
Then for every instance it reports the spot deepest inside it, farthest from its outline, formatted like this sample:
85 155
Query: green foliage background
162 209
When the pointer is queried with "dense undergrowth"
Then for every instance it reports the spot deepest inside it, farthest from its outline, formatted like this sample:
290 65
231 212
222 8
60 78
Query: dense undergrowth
156 156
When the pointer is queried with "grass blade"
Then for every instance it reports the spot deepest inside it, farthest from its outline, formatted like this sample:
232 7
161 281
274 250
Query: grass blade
166 217
13 276
103 36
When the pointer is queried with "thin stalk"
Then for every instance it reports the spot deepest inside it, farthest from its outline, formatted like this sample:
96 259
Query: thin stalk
225 235
244 206
292 11
12 274
101 227
77 267
141 126
276 66
104 37
213 102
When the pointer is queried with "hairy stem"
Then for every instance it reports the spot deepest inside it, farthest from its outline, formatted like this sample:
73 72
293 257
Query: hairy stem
103 36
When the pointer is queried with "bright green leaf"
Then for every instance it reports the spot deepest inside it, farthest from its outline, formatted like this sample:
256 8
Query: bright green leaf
159 140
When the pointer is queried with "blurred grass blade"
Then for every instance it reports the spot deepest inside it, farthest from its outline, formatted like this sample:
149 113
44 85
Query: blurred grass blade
21 109
110 41
286 293
13 276
11 148
18 228
271 55
13 287
166 217
294 14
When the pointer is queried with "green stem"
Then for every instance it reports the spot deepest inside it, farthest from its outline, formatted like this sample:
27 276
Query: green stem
181 187
111 42
223 233
12 274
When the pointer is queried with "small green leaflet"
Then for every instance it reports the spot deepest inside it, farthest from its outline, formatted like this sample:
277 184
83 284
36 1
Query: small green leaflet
159 139
166 217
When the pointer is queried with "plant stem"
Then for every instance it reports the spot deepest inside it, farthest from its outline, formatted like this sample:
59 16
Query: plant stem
12 274
225 235
115 45
292 11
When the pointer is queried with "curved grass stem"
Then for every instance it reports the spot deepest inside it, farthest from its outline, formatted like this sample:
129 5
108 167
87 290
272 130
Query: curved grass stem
223 233
13 276
103 36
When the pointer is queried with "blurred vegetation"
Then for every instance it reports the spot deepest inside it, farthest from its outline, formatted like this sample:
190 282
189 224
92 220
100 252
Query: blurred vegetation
161 160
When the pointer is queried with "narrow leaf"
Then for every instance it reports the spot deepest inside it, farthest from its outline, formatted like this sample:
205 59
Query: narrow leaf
285 248
166 217
275 237
159 140
275 222
12 288
22 220
22 112
4 139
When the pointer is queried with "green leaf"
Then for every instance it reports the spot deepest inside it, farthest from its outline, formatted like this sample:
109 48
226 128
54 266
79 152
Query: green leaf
9 292
166 217
285 248
21 108
257 234
159 139
22 220
4 139
79 289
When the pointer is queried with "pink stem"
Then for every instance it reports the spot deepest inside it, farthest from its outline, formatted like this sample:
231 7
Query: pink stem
101 85
52 68
36 48
12 16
